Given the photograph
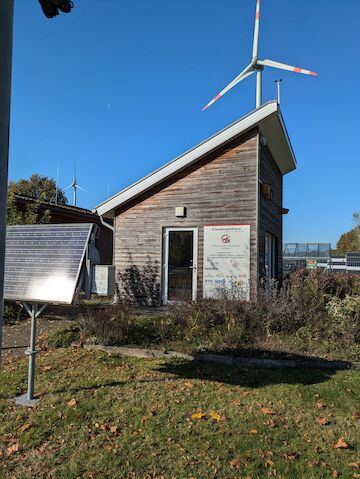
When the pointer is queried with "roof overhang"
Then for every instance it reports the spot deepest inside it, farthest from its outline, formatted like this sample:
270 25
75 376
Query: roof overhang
267 118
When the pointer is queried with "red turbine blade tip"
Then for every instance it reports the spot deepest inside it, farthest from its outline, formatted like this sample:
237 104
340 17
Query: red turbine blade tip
313 74
205 107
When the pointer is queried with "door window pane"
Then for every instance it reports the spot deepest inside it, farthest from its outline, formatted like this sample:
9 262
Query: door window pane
180 266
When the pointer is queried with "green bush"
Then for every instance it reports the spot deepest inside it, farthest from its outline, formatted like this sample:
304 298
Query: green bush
64 336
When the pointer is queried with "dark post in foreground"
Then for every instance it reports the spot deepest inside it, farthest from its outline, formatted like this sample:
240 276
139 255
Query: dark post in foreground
6 30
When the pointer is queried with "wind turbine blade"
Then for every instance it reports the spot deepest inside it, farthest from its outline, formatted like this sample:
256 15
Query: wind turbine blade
256 30
244 74
79 187
283 66
70 186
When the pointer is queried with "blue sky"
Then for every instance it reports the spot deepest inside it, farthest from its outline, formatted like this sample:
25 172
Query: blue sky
118 87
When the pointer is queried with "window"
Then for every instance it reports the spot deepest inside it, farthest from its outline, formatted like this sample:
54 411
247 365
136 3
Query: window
270 256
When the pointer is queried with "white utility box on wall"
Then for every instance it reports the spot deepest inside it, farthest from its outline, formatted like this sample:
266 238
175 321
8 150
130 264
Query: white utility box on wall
103 280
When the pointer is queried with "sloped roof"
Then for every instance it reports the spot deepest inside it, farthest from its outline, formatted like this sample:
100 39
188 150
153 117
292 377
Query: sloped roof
53 206
267 118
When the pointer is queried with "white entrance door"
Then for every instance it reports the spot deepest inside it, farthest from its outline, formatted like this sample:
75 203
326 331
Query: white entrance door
180 264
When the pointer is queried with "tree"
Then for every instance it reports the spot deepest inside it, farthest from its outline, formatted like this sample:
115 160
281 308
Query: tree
38 187
32 215
350 241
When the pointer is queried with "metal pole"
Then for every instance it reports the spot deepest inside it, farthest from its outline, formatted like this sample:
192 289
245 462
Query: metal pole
278 89
57 185
6 31
32 354
258 88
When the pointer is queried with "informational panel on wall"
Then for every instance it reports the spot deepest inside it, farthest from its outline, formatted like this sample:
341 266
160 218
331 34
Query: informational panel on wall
227 261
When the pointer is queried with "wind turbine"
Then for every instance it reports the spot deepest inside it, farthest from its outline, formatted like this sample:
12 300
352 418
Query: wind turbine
257 65
75 186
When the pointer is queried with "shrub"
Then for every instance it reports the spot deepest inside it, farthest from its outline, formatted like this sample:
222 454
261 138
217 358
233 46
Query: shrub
64 336
345 316
12 312
108 325
311 311
216 323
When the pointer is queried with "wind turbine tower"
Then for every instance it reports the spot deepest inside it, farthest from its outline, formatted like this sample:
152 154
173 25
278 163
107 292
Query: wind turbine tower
74 186
257 65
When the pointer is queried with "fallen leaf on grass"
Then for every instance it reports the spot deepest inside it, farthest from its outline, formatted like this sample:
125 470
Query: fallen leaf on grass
292 456
320 405
356 415
356 475
25 427
322 421
72 402
354 464
215 416
253 431
235 464
270 423
341 444
198 415
46 368
113 428
189 384
335 473
269 463
265 410
13 448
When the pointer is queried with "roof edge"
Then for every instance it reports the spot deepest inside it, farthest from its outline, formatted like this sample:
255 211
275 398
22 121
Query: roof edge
240 126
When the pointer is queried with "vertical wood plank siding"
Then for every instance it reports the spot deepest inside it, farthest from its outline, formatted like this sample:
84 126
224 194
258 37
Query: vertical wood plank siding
220 188
270 215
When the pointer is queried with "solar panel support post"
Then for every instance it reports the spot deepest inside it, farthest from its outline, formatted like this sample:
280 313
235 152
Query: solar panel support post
6 31
87 274
28 399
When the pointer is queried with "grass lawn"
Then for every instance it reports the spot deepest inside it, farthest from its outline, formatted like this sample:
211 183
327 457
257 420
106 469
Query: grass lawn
102 417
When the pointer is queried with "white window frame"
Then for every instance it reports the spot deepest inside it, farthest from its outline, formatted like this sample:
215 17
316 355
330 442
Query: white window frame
165 268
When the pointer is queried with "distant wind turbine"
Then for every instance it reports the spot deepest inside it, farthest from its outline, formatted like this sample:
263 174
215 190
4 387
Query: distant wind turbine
75 186
257 65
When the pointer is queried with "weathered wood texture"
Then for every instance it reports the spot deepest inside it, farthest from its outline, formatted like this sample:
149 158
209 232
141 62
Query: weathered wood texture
221 188
270 215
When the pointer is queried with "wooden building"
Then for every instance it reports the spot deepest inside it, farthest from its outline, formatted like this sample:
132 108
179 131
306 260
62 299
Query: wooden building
208 221
60 214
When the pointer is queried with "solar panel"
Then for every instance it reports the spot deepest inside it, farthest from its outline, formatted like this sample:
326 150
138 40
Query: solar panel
43 262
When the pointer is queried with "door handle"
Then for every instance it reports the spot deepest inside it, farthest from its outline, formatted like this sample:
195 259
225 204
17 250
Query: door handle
192 267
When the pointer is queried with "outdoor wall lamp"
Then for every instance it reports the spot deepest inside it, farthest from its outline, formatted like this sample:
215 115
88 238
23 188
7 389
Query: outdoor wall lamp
180 211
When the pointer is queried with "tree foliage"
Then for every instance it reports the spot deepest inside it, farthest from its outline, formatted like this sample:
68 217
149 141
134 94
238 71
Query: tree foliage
33 213
38 187
350 241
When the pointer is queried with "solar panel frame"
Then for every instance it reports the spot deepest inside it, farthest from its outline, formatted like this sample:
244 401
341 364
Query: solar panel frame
43 263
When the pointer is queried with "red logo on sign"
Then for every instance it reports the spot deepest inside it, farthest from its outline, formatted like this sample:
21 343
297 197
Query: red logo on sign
225 239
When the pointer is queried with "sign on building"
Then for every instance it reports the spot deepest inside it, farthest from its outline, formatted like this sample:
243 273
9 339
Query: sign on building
227 261
311 264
